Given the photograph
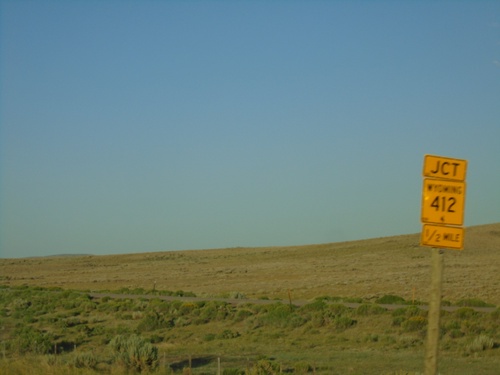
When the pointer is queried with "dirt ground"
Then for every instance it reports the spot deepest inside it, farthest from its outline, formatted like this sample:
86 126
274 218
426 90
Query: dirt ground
368 269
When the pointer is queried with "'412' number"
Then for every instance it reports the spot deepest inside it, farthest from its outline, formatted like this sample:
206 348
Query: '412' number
444 204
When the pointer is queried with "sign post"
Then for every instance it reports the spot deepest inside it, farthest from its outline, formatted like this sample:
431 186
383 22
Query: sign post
442 215
432 350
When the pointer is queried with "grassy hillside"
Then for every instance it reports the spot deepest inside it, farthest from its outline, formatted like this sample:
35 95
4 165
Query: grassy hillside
367 269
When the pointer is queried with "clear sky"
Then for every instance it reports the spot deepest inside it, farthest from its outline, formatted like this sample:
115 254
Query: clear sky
134 126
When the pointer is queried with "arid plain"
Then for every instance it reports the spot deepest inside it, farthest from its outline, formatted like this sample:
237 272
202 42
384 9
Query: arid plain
365 269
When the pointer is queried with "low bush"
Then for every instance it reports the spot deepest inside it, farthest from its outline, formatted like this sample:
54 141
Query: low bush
338 309
242 314
209 337
372 337
84 360
135 353
343 322
302 367
473 302
414 323
233 371
479 344
465 313
369 309
278 315
410 318
228 334
30 340
318 305
390 299
471 327
265 367
155 339
153 321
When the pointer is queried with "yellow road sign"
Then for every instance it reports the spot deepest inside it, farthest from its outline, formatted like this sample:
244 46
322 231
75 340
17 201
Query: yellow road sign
442 237
443 202
445 168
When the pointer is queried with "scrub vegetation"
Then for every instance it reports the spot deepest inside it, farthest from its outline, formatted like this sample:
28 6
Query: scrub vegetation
64 332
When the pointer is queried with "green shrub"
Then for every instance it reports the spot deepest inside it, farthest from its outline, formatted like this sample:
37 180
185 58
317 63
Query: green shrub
155 339
209 312
390 299
405 342
88 306
353 300
452 329
20 304
186 308
495 315
121 330
369 309
296 321
302 367
182 321
159 305
471 327
135 353
480 343
210 337
242 315
465 313
52 360
29 318
474 302
214 310
30 340
338 309
152 321
455 333
401 317
398 320
343 322
414 311
225 311
228 334
318 305
85 360
181 293
266 367
317 319
281 316
414 323
232 371
237 295
372 337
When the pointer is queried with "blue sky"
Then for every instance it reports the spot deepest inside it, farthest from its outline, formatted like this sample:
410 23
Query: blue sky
168 125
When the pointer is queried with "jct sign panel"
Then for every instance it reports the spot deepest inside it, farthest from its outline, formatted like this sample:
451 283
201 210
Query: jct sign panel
443 202
444 168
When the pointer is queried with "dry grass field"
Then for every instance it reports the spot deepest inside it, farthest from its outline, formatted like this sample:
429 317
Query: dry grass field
366 269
